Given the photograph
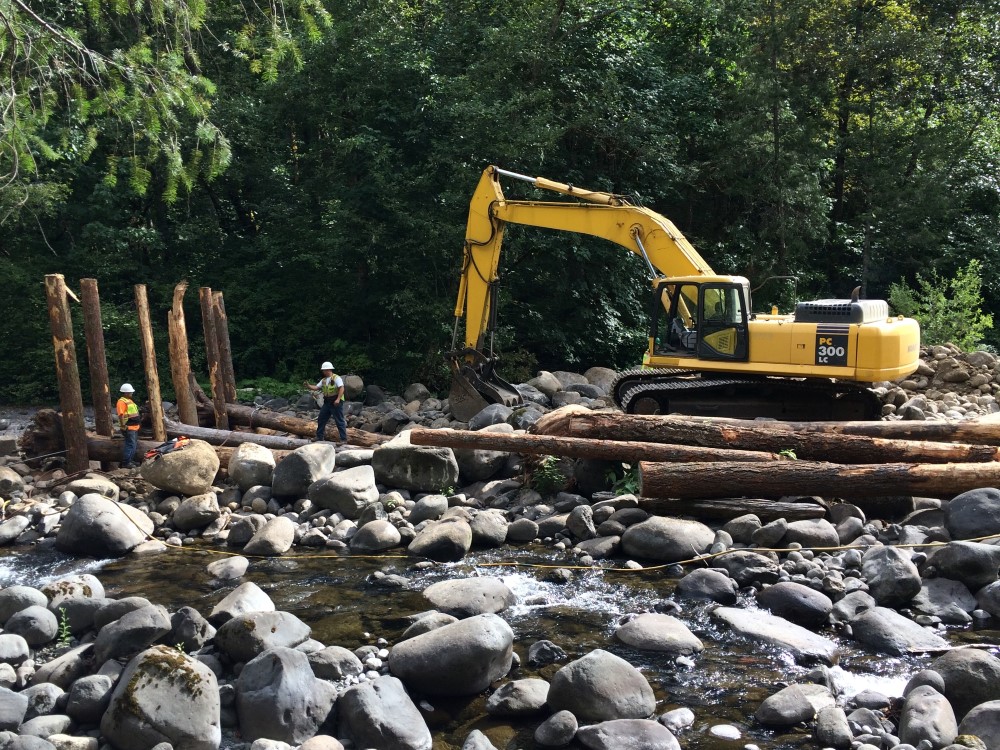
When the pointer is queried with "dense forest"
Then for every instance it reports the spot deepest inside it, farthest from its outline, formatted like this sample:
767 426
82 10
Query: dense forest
314 159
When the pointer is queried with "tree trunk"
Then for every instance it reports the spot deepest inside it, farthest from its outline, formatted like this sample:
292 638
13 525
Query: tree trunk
225 347
180 364
766 510
761 436
102 448
610 450
252 417
212 357
67 373
701 480
227 437
97 363
149 363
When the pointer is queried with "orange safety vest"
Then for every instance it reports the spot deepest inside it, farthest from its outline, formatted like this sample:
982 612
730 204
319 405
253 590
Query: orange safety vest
128 414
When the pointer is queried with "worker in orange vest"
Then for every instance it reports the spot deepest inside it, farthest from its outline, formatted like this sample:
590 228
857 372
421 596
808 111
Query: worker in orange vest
129 422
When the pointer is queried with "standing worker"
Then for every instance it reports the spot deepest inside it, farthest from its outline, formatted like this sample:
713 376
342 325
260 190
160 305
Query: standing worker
332 388
129 422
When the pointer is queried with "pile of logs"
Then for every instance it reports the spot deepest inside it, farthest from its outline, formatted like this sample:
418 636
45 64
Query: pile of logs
683 458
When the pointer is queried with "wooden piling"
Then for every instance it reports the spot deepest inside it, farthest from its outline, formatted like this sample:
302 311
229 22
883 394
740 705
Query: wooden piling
97 363
225 348
180 363
212 355
149 363
67 373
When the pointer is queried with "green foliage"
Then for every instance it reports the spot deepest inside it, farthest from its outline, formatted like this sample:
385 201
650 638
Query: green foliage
273 387
65 636
948 310
547 478
627 483
788 453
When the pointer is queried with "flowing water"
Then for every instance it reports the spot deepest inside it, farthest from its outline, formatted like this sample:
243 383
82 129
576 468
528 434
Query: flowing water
340 599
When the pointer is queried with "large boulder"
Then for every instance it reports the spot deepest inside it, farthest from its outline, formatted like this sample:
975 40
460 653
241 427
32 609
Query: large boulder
97 527
927 715
278 697
944 598
655 632
13 707
458 659
444 541
794 704
466 597
196 512
892 578
10 481
974 514
479 465
602 377
380 714
812 532
189 471
489 529
346 492
36 624
246 636
627 733
12 528
93 484
419 468
970 677
988 598
274 538
72 587
802 644
164 696
972 563
793 601
89 697
601 686
984 722
375 536
519 698
251 465
887 631
301 468
667 539
131 633
245 598
705 583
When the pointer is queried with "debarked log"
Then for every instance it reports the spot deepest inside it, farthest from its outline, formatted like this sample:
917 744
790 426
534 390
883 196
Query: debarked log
608 450
782 478
731 507
249 416
761 436
100 448
232 437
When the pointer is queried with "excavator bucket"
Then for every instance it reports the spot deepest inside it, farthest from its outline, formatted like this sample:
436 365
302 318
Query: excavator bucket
474 386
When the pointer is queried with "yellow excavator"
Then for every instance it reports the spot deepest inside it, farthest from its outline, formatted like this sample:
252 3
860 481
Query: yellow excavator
708 354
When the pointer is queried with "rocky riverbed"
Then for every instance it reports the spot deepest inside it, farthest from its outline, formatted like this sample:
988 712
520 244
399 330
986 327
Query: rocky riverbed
368 599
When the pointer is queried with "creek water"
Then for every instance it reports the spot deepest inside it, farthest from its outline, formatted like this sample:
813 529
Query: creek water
345 606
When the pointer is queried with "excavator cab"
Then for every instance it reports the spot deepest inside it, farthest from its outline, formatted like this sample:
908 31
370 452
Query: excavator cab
701 319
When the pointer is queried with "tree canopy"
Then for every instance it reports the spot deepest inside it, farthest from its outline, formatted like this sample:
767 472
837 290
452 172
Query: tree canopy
314 159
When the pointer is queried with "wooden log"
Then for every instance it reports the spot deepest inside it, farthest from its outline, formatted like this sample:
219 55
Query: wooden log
753 435
228 437
149 363
67 373
778 479
212 356
225 348
180 363
252 417
609 450
107 449
982 430
97 362
766 510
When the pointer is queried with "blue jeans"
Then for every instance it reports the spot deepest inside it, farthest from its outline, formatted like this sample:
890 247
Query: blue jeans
327 410
131 443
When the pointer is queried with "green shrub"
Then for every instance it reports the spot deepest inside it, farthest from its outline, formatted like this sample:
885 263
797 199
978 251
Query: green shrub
948 310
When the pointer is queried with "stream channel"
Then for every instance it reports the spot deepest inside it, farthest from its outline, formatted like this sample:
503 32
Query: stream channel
339 600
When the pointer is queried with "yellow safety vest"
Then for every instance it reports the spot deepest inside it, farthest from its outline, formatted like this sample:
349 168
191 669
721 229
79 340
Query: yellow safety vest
329 389
128 413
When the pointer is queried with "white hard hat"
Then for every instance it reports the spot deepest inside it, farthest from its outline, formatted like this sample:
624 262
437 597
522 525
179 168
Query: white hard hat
127 388
326 365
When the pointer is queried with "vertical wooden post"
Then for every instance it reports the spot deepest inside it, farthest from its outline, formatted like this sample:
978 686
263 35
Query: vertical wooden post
70 397
225 348
180 363
97 363
212 354
149 362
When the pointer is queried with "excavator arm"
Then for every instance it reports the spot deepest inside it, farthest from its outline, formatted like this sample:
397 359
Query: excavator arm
646 233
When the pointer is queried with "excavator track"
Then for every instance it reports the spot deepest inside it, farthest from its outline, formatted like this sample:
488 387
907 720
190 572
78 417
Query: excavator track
673 391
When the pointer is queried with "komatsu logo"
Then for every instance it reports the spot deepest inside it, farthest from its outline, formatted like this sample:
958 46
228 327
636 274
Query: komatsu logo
831 350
